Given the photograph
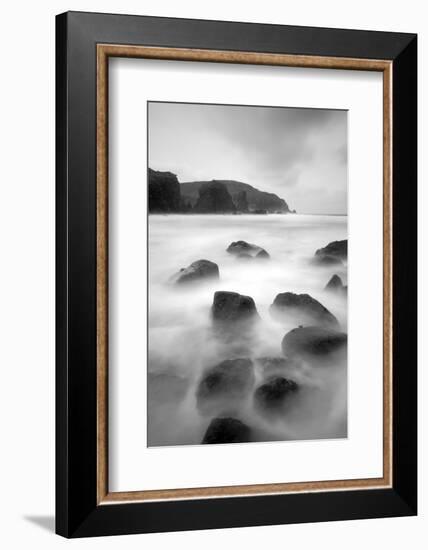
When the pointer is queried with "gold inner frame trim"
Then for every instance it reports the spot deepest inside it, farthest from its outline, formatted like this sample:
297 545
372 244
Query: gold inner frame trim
104 51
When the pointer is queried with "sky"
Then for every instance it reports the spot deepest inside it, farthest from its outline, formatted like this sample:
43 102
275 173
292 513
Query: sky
299 154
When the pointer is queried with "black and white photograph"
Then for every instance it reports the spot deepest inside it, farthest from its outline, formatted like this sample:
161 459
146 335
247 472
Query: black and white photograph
247 274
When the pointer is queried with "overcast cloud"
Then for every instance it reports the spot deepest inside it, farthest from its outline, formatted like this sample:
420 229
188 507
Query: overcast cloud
299 154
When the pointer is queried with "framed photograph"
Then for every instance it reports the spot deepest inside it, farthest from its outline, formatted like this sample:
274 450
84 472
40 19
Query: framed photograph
236 274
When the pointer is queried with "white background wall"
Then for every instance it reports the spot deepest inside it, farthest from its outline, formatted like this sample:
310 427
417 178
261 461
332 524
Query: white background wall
27 271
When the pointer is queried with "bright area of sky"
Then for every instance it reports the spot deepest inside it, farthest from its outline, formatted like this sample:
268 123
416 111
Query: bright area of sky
299 154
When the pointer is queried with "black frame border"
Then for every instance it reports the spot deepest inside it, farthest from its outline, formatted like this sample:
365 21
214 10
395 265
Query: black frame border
77 512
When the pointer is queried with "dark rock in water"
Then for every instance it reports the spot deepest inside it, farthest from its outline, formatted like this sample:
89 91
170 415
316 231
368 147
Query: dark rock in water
336 249
262 254
241 202
335 285
229 380
314 342
197 271
303 308
227 430
259 211
214 198
233 307
243 249
275 393
164 192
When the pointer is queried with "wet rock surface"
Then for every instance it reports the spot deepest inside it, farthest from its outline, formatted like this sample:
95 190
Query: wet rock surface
335 249
227 430
273 395
201 270
231 307
242 247
314 342
303 308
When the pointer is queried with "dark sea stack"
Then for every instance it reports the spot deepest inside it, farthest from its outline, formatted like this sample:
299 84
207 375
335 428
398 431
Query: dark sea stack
335 249
275 394
214 198
201 270
302 308
164 192
241 203
314 343
231 307
225 383
335 285
227 430
256 199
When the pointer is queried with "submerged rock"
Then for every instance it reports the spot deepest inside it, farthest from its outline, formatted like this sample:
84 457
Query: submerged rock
242 247
314 342
335 249
197 271
303 308
335 285
274 394
233 307
229 380
227 430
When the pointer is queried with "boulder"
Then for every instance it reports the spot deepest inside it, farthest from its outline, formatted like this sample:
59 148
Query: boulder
233 307
303 308
335 249
244 249
314 342
274 394
200 270
229 380
214 198
163 192
335 285
227 430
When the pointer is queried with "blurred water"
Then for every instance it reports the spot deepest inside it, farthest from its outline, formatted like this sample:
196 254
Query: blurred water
181 342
